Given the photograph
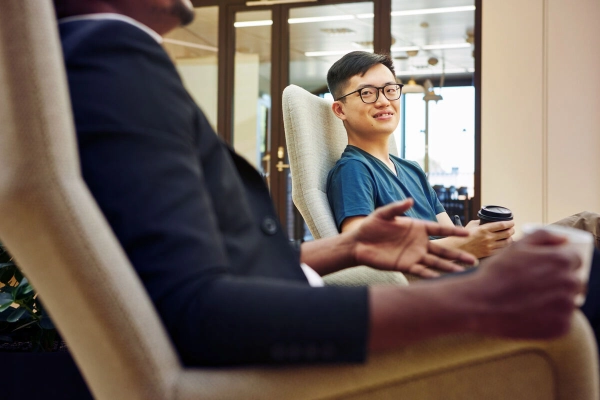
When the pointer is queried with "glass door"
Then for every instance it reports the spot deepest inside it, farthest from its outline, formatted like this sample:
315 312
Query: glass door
252 88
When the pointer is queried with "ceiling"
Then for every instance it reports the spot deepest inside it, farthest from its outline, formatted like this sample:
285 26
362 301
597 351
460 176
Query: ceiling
353 30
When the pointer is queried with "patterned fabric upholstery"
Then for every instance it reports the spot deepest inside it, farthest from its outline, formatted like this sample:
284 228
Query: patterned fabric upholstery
315 139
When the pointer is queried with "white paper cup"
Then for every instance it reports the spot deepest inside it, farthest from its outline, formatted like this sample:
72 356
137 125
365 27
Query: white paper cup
580 241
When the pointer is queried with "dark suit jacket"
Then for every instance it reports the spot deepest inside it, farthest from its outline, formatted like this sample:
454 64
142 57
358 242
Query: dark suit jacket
194 218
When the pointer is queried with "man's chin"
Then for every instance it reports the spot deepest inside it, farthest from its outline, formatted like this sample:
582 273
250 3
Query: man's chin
185 11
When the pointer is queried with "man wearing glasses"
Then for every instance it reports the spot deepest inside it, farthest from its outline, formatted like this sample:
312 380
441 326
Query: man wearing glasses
367 100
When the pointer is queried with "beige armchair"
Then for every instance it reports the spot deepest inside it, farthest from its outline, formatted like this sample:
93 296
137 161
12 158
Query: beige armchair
316 139
57 234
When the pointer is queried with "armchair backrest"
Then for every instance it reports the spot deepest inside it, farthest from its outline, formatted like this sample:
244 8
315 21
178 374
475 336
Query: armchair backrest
53 227
316 139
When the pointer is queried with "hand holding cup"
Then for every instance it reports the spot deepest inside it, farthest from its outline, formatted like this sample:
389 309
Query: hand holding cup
580 241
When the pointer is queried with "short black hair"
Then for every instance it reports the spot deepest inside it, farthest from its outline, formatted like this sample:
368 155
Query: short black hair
354 63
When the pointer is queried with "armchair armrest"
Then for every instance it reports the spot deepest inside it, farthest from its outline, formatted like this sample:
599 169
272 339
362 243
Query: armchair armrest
452 367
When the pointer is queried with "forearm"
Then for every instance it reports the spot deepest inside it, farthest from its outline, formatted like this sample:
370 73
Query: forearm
400 316
330 254
242 320
453 242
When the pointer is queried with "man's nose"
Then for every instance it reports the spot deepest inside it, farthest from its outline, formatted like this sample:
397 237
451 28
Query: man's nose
381 98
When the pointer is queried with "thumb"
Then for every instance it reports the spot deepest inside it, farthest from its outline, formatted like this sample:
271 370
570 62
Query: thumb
396 209
542 237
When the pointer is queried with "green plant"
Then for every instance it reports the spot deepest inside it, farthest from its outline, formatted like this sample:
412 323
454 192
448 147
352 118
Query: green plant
23 318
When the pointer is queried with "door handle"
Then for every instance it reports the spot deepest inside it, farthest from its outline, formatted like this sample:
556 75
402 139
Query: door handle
280 155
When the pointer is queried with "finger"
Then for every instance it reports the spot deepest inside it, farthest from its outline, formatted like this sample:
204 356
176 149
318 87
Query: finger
544 238
451 254
395 209
473 223
503 235
422 271
576 261
500 244
440 264
435 229
499 226
556 257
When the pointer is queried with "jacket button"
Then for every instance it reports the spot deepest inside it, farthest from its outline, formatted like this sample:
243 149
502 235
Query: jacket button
269 226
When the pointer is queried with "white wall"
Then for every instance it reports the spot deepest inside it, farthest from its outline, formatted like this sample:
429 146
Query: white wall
541 107
200 78
573 107
245 101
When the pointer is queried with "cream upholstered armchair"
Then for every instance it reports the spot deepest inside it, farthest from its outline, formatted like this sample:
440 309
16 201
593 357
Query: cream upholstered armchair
316 139
53 227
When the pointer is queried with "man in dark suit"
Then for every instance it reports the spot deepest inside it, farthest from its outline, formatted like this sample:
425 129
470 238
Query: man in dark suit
197 223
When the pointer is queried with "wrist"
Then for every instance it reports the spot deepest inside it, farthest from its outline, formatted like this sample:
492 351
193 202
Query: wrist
472 295
452 242
347 247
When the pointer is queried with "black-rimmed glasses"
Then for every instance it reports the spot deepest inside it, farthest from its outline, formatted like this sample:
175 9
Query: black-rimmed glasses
370 94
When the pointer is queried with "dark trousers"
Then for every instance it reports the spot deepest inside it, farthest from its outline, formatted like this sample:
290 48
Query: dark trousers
591 307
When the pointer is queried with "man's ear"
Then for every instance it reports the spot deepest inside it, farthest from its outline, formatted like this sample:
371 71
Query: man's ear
338 110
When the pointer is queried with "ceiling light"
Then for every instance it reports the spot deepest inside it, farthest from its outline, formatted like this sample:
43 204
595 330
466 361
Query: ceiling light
246 24
320 19
343 17
405 48
412 87
291 21
431 96
430 47
363 44
431 71
331 53
446 46
271 2
432 11
410 50
337 31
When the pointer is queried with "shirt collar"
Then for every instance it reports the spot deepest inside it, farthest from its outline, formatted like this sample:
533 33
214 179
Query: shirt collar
113 16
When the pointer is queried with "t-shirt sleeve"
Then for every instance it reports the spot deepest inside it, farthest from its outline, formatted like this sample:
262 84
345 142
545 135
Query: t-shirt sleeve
435 201
350 191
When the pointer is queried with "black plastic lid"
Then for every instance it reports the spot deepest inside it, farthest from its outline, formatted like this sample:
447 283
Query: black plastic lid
495 213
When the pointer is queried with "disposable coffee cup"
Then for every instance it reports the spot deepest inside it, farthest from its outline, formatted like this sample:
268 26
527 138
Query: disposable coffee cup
580 241
491 213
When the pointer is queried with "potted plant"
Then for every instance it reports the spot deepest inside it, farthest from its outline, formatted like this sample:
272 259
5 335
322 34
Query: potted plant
34 359
24 323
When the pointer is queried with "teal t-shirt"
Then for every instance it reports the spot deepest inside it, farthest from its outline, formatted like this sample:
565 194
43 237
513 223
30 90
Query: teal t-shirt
359 183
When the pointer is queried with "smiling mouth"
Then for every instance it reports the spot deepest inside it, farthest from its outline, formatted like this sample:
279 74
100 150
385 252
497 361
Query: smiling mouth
378 115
